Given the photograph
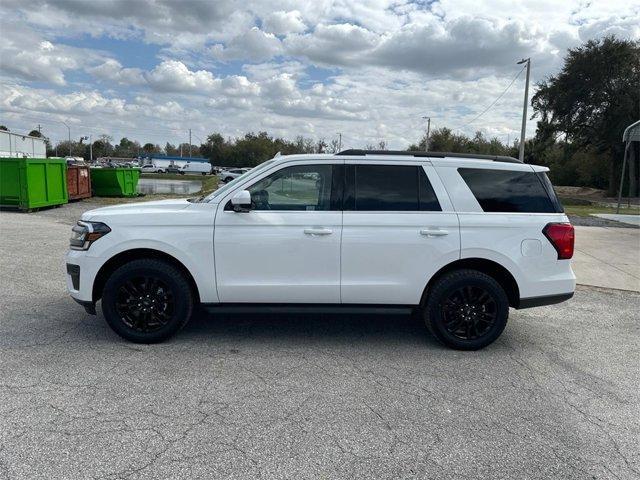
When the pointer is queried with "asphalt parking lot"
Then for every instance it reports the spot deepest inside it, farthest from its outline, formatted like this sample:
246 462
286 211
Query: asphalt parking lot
306 397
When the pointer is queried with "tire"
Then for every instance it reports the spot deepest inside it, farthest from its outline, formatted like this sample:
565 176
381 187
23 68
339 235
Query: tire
167 303
228 179
466 310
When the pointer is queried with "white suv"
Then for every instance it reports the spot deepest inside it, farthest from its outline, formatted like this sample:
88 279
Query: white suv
458 238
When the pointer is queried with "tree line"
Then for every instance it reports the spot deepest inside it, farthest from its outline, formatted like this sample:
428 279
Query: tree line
582 112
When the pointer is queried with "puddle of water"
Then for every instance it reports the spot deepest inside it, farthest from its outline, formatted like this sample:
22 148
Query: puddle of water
150 186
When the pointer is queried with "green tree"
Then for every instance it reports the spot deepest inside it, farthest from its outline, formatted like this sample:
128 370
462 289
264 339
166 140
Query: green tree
592 100
215 149
150 148
35 133
3 128
127 148
170 150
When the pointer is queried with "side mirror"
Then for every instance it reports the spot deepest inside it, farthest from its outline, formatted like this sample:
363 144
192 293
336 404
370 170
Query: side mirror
241 201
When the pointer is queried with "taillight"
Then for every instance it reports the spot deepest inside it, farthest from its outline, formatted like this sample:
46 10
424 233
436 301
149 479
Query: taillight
561 236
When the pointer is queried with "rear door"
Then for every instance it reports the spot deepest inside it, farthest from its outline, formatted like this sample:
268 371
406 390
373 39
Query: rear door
399 228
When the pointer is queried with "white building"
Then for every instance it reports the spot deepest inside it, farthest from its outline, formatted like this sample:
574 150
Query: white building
16 145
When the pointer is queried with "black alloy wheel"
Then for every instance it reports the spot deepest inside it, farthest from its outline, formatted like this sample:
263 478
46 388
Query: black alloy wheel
469 312
147 300
145 304
466 309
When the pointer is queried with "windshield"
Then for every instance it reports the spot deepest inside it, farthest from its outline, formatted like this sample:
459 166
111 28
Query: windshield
228 186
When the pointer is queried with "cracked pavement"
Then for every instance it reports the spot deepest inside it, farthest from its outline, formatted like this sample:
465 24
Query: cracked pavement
325 396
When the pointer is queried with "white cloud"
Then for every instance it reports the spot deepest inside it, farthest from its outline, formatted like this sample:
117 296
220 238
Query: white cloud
174 76
341 44
26 55
111 70
253 45
282 23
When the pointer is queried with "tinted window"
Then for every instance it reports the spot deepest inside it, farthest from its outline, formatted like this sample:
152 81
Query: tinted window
392 188
508 190
303 187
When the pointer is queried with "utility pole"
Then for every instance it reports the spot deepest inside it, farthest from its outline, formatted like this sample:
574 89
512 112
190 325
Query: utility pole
524 108
189 143
426 141
39 128
339 142
91 148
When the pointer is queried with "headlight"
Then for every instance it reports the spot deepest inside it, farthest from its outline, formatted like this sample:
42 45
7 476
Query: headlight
85 233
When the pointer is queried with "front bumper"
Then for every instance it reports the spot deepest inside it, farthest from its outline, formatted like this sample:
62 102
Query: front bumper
81 272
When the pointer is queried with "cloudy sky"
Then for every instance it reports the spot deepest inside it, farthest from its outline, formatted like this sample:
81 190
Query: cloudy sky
370 69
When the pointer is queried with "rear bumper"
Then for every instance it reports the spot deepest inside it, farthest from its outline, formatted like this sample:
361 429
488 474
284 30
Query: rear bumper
544 300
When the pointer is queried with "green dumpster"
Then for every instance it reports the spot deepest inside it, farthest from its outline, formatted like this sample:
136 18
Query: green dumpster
29 183
115 182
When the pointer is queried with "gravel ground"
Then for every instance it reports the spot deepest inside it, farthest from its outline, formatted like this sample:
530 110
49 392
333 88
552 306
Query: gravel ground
306 396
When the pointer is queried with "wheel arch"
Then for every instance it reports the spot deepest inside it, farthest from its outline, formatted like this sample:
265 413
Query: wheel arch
498 272
125 256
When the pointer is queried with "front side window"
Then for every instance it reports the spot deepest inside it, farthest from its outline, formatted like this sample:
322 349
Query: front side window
508 191
300 187
391 188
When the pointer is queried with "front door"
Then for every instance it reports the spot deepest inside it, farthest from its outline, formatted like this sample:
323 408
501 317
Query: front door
286 249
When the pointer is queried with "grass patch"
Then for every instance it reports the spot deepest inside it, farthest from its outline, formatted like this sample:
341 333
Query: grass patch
586 210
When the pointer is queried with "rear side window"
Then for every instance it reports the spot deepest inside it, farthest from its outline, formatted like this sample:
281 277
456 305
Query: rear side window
508 191
389 188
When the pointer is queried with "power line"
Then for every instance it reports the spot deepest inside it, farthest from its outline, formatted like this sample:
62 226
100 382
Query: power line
492 103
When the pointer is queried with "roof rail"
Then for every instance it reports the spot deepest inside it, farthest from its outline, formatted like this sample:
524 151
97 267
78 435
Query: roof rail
406 153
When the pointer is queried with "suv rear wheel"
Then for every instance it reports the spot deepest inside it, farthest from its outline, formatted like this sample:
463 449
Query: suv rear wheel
147 301
466 310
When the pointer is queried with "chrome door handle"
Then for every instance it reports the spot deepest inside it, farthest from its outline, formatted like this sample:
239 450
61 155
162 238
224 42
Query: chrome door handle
317 231
433 232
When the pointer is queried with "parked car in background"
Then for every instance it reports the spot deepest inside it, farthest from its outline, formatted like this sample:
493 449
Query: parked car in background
172 169
149 168
457 238
228 175
196 168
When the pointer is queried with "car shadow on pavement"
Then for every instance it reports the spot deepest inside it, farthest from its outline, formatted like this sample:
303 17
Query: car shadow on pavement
322 328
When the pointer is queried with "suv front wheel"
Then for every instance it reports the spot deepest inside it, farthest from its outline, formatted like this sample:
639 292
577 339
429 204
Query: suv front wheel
147 300
466 310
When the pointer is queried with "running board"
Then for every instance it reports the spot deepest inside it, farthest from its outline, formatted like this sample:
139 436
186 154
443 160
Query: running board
329 308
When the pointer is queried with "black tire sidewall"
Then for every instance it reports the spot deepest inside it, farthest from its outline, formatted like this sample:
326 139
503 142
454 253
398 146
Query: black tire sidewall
451 282
175 281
